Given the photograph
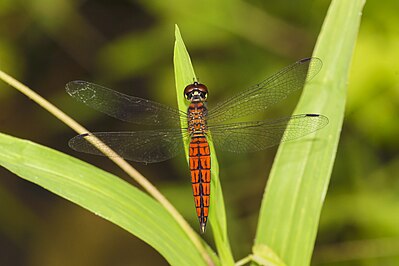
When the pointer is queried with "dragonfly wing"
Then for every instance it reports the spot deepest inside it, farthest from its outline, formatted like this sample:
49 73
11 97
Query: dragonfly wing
259 135
124 107
268 92
139 146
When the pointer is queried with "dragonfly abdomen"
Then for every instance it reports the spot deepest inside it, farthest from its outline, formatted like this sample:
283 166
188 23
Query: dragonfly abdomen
200 168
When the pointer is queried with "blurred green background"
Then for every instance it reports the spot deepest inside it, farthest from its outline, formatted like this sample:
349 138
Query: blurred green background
128 46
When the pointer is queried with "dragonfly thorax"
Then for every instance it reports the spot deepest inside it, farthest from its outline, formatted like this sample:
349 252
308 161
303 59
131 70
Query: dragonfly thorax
196 92
196 118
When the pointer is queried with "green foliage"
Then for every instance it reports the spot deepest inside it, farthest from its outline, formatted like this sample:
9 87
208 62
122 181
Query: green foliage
101 193
301 171
128 46
184 74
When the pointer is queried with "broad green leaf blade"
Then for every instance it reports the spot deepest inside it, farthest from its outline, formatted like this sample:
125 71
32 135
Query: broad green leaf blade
101 193
301 172
184 75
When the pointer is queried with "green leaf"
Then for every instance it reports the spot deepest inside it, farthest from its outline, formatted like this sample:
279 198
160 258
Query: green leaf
301 172
184 75
101 193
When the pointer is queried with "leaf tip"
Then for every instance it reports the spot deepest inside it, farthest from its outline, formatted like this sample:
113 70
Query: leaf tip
177 32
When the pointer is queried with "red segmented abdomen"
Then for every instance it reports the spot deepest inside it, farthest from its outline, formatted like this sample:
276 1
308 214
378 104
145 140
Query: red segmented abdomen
200 168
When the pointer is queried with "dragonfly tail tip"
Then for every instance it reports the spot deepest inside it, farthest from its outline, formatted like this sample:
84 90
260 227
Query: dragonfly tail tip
202 228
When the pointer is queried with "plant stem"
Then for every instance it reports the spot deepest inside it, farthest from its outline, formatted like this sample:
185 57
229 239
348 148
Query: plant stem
243 261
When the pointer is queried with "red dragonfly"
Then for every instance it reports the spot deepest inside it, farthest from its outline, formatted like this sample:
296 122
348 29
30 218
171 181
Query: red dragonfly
202 126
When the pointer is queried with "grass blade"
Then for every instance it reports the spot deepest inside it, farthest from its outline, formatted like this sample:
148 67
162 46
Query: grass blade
184 75
301 172
101 193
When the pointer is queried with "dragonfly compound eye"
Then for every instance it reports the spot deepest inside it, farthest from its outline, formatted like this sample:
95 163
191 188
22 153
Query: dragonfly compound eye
189 95
195 89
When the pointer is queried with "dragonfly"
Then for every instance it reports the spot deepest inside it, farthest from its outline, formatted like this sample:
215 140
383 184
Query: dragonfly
201 125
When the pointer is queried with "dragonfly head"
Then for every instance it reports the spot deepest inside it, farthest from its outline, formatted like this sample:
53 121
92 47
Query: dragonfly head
196 92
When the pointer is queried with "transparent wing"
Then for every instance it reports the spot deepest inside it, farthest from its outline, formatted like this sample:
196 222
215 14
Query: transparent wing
266 93
139 146
259 135
124 107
